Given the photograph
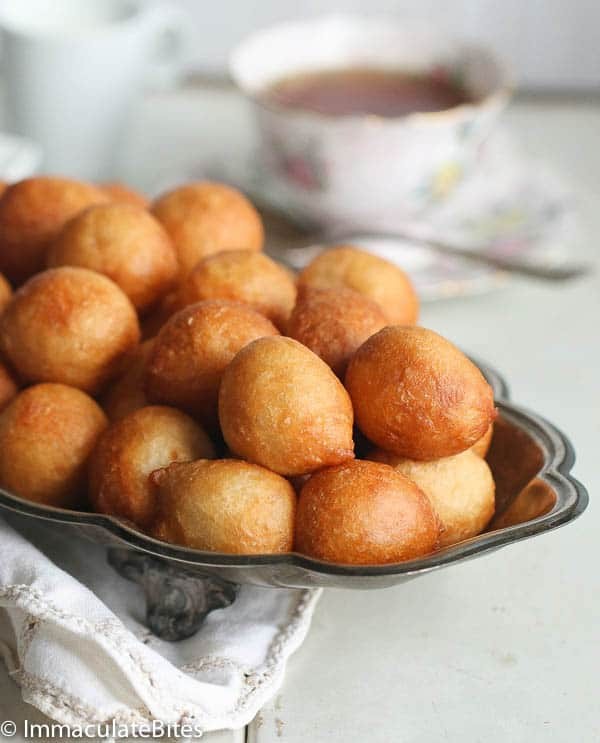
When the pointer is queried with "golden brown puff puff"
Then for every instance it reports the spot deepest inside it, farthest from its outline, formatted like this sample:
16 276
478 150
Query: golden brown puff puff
8 386
127 393
156 318
32 213
190 353
364 513
5 293
46 436
365 273
205 218
334 323
460 488
482 446
124 194
417 395
131 449
225 505
69 325
282 407
243 276
122 242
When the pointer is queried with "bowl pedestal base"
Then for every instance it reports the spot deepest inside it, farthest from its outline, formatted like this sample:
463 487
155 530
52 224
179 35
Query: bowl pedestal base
177 600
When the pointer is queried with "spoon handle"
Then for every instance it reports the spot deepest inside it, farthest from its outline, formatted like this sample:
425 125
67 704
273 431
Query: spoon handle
299 241
509 264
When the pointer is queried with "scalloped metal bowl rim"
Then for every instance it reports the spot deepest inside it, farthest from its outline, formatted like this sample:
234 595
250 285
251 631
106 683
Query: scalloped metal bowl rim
572 500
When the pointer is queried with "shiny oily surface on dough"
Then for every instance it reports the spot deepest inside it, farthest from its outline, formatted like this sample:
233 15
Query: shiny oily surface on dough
126 394
282 407
192 350
225 505
32 213
245 276
47 434
123 242
373 277
131 449
205 218
364 513
334 323
461 490
69 325
417 395
482 446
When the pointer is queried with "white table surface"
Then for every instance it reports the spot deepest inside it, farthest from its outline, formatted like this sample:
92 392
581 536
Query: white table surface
503 649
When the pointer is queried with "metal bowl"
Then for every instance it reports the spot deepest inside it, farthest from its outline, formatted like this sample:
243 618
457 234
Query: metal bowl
535 493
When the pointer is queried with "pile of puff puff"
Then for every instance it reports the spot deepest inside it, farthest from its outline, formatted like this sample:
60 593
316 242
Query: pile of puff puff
156 365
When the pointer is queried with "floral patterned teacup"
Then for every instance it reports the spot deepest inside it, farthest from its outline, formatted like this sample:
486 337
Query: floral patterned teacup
359 171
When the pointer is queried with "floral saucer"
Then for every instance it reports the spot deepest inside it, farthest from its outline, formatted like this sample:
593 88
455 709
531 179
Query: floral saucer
509 206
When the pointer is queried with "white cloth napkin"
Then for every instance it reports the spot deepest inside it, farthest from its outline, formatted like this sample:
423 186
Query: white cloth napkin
72 636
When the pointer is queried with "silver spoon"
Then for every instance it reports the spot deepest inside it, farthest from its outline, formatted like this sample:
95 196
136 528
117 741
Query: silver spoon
299 240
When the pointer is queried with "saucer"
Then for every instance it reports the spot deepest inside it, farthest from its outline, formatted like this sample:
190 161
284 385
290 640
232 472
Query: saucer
508 206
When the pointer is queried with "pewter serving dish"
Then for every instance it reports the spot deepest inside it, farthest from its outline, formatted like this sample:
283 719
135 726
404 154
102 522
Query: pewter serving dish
535 493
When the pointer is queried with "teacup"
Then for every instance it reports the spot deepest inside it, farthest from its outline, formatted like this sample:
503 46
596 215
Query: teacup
73 70
362 170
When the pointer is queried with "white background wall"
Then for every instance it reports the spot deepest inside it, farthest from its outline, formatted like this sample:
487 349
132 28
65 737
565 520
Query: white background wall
549 43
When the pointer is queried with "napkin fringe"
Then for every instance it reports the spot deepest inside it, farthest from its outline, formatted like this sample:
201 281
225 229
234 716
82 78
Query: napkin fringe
115 639
64 707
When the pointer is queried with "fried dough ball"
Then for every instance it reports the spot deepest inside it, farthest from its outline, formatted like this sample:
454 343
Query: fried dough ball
3 187
243 276
333 323
482 446
46 436
127 393
124 194
131 449
364 513
69 325
417 395
460 489
190 353
8 386
282 407
225 506
164 310
32 213
5 293
365 273
206 218
122 242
